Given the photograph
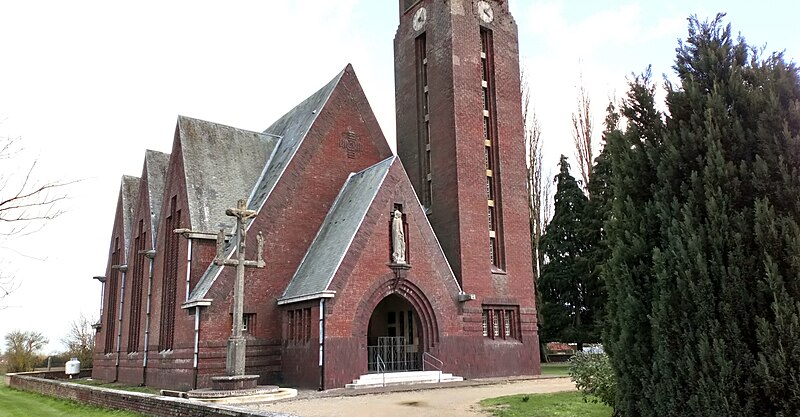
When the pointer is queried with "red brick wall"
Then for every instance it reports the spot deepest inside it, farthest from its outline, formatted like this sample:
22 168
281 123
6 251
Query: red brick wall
300 359
364 279
147 404
291 218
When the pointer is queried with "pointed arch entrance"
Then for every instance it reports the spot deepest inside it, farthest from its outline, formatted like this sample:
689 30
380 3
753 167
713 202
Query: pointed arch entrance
395 336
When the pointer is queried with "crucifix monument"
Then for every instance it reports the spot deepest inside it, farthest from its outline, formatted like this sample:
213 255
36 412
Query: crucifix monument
234 364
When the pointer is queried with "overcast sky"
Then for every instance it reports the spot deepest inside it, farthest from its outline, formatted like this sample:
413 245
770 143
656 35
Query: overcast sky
88 86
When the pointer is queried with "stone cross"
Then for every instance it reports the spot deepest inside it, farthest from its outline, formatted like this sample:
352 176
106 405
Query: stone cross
234 364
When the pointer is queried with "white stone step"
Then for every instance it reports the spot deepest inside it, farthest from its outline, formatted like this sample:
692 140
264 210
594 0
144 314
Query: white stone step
402 378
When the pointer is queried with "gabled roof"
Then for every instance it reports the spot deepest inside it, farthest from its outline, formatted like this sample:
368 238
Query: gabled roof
292 129
129 193
316 271
221 164
155 166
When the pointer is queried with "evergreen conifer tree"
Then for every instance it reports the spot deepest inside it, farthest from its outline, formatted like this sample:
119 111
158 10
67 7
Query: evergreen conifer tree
570 289
704 273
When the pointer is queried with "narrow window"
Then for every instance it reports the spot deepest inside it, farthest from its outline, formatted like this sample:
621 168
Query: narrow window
290 326
169 286
136 288
495 324
248 321
491 154
485 323
308 324
507 323
423 121
111 309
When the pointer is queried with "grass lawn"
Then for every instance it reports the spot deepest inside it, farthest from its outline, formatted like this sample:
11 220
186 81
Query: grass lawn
555 369
562 404
15 403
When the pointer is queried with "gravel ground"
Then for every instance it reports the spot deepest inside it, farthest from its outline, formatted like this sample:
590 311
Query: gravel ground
461 400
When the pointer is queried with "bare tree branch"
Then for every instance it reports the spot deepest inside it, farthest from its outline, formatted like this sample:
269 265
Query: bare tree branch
79 340
26 204
538 200
582 135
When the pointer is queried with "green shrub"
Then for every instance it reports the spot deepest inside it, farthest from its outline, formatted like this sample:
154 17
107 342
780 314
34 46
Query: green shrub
594 377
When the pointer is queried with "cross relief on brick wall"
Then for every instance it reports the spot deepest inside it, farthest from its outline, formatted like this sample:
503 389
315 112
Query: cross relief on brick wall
351 143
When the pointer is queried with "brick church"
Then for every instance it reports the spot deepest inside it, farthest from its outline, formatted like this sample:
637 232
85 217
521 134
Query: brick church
370 258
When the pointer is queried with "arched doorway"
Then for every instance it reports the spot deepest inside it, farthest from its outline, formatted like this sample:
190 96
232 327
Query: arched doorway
394 337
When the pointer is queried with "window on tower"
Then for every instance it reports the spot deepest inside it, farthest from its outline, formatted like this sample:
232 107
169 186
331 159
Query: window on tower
501 322
490 148
423 117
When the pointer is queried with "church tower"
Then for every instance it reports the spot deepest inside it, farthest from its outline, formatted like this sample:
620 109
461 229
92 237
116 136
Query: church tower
460 138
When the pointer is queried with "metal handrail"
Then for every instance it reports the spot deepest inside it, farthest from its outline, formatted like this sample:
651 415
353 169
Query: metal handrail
381 368
426 360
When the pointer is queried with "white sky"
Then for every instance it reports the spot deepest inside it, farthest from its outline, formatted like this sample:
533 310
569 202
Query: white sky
88 86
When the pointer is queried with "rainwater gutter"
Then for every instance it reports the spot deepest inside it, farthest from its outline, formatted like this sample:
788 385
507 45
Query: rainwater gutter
196 343
321 344
150 254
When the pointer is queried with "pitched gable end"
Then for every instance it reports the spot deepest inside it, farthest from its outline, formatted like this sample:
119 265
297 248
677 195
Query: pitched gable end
338 230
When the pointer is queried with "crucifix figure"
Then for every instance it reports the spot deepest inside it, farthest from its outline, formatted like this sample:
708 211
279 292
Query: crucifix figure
234 364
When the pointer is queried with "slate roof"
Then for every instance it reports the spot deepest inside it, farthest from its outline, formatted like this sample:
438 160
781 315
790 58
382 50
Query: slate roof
129 191
221 164
291 128
155 165
316 271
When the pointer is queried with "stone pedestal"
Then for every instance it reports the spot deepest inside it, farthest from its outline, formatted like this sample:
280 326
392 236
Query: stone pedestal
400 271
234 362
234 383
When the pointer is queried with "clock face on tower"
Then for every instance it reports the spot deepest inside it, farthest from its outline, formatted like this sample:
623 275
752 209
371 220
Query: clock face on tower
420 17
485 11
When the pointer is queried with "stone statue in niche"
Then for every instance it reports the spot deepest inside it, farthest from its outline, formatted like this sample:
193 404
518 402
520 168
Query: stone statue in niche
398 238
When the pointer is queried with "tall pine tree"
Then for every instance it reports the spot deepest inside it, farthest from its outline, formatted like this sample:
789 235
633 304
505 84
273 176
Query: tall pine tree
569 287
704 273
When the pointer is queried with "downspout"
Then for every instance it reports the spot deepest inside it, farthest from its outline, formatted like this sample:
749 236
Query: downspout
196 341
321 344
188 265
150 254
123 269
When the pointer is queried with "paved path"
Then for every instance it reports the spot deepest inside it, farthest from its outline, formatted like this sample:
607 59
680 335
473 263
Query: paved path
441 402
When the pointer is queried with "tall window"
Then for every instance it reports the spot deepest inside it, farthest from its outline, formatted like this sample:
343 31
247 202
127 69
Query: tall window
169 287
111 309
490 153
298 330
423 125
136 288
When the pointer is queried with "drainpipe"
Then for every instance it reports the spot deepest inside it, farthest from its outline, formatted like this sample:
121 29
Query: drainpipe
150 254
321 344
188 267
123 269
196 341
